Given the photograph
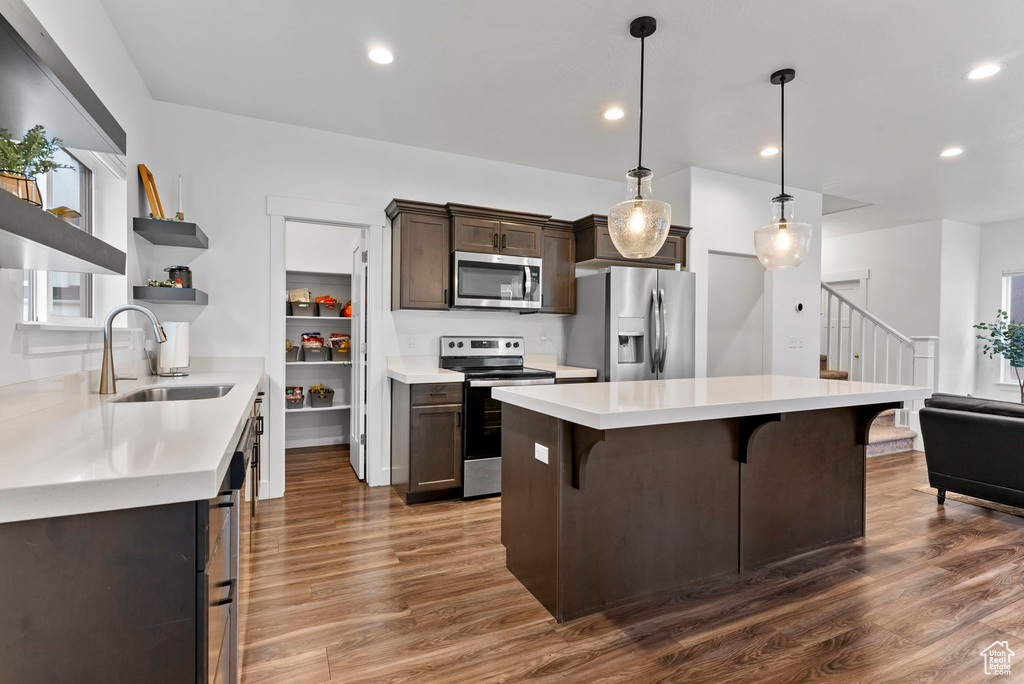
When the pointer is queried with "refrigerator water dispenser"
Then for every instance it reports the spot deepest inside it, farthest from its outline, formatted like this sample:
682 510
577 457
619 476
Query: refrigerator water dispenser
631 340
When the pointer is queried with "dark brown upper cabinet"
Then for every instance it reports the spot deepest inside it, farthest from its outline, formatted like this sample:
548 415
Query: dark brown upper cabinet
496 231
420 255
594 244
558 268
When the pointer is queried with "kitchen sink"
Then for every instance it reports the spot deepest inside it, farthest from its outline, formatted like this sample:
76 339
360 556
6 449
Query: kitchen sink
183 393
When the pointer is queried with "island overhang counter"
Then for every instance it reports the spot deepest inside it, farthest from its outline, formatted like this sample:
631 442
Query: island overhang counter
617 492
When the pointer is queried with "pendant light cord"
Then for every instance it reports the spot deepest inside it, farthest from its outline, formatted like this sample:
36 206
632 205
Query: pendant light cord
640 144
782 138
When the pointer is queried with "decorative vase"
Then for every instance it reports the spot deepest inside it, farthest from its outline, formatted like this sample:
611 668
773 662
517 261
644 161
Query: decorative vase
25 188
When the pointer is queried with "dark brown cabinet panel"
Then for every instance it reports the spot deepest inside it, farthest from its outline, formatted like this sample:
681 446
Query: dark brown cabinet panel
426 441
671 253
436 444
521 239
573 381
558 272
476 235
594 243
420 255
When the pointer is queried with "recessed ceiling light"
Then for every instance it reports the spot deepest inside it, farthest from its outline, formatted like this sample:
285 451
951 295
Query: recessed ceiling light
951 152
984 71
381 56
613 114
769 151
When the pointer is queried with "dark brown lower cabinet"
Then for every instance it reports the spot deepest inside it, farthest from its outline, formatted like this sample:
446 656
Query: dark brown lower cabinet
426 441
136 595
572 381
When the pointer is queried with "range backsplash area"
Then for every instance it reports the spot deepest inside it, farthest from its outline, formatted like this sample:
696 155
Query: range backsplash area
418 333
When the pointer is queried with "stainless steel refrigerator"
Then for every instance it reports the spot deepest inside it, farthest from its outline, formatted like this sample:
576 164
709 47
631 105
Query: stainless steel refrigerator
634 324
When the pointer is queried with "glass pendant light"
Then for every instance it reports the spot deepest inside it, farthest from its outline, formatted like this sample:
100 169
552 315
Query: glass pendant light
783 243
639 224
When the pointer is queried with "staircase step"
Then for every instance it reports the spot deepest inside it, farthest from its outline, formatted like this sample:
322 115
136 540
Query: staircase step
889 439
885 418
833 375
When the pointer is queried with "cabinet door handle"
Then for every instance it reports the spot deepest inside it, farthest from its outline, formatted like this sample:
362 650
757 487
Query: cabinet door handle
226 504
503 241
259 425
494 241
231 590
445 297
458 418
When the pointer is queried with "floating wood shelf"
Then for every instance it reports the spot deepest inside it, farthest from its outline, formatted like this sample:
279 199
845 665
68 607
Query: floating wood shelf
33 238
171 233
170 295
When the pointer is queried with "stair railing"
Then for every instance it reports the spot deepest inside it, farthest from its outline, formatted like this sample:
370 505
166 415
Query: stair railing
866 354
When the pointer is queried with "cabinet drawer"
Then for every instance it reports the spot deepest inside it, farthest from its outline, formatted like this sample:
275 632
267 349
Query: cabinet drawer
670 253
437 394
212 516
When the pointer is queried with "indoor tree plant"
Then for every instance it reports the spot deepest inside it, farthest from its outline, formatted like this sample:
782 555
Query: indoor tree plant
1006 339
21 161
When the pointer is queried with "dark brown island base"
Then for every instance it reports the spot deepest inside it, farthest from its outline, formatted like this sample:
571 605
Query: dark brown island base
647 488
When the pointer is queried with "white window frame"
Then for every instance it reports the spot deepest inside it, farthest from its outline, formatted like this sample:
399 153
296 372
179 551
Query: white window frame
1006 374
40 283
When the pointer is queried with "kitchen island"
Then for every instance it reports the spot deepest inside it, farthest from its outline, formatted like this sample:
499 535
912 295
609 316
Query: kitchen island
617 492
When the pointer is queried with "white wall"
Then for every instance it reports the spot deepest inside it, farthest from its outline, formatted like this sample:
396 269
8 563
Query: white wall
87 37
905 261
1001 249
231 163
735 315
958 307
725 210
923 282
319 247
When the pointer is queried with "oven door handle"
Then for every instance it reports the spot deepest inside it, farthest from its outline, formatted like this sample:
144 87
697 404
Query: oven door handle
511 383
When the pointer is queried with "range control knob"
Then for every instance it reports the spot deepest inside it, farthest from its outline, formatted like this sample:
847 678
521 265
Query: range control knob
508 344
460 345
515 344
451 344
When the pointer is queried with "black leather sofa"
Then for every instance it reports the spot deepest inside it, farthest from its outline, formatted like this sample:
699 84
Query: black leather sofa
973 447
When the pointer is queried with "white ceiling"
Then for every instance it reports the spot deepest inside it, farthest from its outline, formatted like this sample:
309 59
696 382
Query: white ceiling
879 89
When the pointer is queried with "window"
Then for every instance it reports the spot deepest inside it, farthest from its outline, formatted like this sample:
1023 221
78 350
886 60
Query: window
56 296
1013 304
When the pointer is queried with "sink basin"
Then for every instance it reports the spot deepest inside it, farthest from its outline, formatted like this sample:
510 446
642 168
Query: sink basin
176 393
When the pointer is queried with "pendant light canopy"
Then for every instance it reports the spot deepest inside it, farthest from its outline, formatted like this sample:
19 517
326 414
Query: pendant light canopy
639 224
783 243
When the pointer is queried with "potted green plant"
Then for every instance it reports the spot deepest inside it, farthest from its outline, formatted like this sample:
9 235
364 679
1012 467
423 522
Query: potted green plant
21 161
321 397
1006 339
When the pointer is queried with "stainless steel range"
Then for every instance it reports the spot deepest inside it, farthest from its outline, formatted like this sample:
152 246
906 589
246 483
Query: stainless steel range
486 362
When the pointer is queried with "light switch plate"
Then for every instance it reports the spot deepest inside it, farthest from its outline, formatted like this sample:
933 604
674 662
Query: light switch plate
540 452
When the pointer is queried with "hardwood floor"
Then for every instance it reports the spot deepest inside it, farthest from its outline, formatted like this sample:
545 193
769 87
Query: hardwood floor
348 584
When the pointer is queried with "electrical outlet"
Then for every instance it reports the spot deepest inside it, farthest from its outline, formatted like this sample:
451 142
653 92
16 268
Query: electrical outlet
540 452
410 341
796 342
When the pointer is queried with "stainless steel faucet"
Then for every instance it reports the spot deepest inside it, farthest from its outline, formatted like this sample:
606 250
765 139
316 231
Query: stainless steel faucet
108 381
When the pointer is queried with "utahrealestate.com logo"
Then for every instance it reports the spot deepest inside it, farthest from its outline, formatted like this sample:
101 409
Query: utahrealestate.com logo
997 658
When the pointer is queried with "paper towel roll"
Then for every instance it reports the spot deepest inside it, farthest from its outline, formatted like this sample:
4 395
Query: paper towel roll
174 353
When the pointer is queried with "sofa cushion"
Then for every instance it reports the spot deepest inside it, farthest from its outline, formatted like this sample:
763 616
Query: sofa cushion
955 402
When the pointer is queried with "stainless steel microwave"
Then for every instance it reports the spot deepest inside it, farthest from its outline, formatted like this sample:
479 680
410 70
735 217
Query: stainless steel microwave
495 281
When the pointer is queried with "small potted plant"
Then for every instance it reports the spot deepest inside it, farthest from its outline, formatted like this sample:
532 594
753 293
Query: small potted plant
21 161
321 397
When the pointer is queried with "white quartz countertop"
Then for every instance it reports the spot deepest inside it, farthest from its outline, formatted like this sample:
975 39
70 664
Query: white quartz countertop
414 370
610 405
83 453
416 375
